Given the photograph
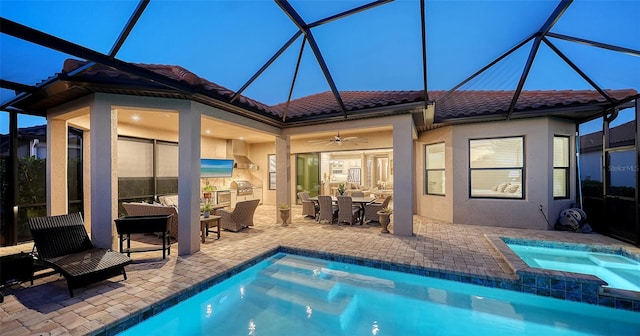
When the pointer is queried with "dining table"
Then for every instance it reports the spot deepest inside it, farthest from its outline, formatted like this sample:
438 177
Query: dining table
360 200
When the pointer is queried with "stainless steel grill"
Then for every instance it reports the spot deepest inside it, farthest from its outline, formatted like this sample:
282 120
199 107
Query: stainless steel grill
242 187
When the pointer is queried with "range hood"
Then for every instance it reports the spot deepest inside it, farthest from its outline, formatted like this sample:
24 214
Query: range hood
237 150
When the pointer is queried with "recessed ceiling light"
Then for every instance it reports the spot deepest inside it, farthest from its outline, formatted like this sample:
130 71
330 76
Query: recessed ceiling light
135 117
207 131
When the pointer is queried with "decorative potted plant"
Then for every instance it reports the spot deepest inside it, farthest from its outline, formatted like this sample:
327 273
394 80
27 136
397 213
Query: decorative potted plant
341 188
384 217
285 212
207 191
206 209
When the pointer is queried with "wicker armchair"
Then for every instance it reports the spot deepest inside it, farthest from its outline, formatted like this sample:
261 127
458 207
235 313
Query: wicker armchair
146 209
347 213
62 243
371 209
327 211
309 208
240 217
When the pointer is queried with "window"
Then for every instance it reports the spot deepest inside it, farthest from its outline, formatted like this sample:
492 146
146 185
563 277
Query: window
146 168
560 167
434 169
272 171
496 167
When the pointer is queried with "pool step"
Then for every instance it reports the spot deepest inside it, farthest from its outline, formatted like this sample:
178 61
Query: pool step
306 282
293 261
339 310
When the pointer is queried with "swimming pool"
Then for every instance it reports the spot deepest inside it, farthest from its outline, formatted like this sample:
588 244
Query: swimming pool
617 270
288 294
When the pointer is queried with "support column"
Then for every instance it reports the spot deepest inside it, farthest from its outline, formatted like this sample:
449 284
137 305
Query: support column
57 143
403 176
104 172
189 180
283 173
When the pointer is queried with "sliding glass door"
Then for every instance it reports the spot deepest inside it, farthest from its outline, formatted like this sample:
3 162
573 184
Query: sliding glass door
308 173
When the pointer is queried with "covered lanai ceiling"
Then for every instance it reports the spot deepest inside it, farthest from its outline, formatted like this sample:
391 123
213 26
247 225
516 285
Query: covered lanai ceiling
259 55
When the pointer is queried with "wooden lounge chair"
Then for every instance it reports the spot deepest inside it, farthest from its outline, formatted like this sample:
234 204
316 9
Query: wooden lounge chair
61 242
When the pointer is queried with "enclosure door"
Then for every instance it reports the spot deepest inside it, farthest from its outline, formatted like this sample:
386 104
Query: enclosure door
608 171
308 173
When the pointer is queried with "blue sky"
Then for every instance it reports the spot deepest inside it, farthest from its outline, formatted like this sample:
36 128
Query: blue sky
379 49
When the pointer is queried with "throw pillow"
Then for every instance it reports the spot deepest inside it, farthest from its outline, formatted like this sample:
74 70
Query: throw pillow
511 188
502 187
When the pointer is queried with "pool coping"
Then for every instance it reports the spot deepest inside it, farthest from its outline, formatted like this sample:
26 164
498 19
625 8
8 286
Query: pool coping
514 284
566 285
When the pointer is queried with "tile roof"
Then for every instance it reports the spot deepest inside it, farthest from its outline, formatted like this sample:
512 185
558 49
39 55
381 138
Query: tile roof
460 104
326 103
465 104
175 72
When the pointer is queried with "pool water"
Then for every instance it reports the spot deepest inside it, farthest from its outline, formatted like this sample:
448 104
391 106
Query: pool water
618 271
293 295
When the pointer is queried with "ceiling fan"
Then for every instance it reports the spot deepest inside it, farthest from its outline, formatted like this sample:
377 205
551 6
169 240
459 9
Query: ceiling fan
338 140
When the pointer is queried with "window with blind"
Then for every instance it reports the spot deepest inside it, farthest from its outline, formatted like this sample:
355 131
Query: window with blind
434 169
560 167
146 168
166 167
496 168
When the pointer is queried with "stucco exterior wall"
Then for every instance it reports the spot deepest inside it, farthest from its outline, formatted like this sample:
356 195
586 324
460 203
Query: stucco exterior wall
554 207
435 206
538 183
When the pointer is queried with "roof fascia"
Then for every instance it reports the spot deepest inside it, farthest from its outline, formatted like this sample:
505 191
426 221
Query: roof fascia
557 112
371 113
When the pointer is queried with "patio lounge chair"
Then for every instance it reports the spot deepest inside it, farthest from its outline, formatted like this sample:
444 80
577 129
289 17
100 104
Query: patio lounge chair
61 242
240 217
371 209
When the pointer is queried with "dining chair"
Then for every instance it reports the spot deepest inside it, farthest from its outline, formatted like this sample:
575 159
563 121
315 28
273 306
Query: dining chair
371 209
328 211
309 207
347 213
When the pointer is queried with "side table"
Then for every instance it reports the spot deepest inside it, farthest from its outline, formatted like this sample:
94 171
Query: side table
205 223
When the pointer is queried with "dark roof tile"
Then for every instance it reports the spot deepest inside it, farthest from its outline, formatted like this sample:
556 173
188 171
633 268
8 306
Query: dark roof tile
460 104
